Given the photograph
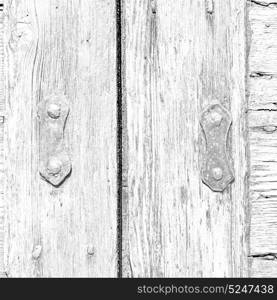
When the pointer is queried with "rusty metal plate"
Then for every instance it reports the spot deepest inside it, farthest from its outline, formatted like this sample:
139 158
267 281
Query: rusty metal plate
217 172
55 164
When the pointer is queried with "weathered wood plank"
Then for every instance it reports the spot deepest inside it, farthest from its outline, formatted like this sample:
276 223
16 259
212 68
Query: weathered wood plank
68 46
262 135
263 36
264 267
2 120
179 57
263 192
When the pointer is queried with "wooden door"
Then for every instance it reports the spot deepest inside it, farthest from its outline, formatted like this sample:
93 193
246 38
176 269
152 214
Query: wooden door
133 80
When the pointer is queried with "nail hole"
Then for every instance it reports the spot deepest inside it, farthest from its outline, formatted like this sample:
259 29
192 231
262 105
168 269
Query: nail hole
90 250
36 252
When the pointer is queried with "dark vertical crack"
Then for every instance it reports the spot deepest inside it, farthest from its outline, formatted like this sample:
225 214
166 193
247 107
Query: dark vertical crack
119 137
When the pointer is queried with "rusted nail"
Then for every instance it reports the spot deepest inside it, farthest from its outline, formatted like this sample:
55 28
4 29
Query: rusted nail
216 118
90 250
217 173
54 111
54 166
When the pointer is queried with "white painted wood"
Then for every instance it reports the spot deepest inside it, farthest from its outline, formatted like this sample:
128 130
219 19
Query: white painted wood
2 119
68 46
264 267
263 134
180 56
263 192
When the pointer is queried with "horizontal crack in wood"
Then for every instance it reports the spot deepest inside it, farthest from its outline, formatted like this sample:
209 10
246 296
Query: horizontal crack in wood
265 256
263 4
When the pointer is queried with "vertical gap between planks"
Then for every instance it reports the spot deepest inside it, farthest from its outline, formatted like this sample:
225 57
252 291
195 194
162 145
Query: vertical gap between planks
119 136
2 121
248 153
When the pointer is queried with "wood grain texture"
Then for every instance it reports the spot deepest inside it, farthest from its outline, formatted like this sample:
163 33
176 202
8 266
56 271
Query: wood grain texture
262 80
2 120
61 46
264 267
179 57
